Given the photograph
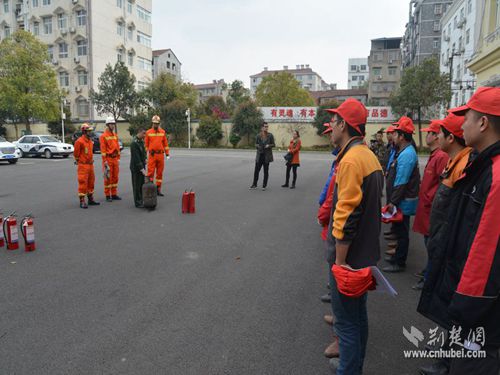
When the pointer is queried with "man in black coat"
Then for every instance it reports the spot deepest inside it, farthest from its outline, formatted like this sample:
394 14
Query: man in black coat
138 165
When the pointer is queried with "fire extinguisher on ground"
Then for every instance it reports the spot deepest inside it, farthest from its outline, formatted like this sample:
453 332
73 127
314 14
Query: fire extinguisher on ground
28 232
9 227
192 202
185 202
188 202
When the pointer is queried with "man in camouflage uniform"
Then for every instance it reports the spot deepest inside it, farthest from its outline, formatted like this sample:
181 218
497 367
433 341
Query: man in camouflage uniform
379 148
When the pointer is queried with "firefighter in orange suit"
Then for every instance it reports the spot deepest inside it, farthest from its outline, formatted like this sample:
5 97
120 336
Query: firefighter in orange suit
84 159
156 145
110 152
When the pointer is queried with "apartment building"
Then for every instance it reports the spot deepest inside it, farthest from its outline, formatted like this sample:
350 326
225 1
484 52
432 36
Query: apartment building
357 73
165 60
82 37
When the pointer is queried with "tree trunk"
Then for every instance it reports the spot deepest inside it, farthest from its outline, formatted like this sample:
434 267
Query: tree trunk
28 126
17 131
420 126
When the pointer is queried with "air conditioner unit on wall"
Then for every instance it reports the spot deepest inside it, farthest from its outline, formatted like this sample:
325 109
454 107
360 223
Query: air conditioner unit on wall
72 30
77 60
78 89
379 78
64 32
55 61
74 1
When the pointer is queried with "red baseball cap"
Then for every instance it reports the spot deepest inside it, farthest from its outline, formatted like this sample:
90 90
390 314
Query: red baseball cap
390 129
485 100
353 112
453 124
434 127
405 124
328 127
353 283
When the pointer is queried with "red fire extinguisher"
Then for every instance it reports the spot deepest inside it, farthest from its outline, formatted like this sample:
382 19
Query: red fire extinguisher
10 232
192 202
185 202
28 231
2 240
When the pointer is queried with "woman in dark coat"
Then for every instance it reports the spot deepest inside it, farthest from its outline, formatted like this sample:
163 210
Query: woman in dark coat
294 163
264 144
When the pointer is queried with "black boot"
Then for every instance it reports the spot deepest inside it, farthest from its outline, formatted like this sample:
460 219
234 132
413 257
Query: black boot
293 186
109 199
160 194
285 185
92 202
116 198
83 204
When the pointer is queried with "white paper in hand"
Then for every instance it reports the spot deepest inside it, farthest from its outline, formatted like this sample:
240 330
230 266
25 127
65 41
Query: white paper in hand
388 215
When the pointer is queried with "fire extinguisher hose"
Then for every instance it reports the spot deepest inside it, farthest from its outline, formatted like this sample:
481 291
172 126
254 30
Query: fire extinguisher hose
22 228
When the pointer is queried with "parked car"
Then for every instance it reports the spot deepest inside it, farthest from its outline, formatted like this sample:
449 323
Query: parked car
46 145
8 151
95 138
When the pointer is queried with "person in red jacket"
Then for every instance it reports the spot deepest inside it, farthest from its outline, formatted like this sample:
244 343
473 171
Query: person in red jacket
84 159
110 152
428 187
156 145
293 164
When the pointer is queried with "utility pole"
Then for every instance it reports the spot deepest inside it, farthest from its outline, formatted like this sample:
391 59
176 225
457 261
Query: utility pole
188 115
63 117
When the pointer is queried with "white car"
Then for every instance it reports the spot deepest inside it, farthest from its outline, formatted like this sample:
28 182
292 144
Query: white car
46 145
8 151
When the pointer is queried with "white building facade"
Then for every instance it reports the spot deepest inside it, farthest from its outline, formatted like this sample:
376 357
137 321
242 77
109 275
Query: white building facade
83 36
165 60
457 48
358 73
307 78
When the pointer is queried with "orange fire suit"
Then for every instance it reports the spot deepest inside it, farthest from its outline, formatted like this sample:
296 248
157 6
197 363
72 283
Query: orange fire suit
84 157
156 145
110 152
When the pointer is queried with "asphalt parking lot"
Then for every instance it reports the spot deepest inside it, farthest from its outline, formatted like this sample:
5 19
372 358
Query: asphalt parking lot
233 289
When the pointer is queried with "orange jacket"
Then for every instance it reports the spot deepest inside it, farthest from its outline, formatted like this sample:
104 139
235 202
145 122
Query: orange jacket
83 153
109 145
156 140
294 148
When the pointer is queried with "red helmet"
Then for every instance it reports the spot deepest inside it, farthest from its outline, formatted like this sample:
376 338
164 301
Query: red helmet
86 128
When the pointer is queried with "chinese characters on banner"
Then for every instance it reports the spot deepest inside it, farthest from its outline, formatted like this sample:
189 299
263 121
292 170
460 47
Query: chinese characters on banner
307 114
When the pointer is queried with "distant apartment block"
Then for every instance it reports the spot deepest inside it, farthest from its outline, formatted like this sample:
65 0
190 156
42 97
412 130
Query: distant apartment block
216 88
357 74
165 60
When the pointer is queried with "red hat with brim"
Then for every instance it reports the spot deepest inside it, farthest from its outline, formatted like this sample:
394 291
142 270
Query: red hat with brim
434 127
453 124
390 129
405 124
328 129
353 112
485 100
353 283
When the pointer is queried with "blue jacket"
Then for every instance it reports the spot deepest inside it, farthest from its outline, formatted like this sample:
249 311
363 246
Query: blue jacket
392 153
322 196
403 180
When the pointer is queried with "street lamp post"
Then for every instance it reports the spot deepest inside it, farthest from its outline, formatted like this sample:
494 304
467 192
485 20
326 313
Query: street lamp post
188 115
63 117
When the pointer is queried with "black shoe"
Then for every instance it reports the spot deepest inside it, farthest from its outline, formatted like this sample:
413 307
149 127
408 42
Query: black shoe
437 368
109 199
292 187
285 185
419 285
94 203
327 298
139 205
159 193
389 259
253 187
116 198
264 188
394 268
83 205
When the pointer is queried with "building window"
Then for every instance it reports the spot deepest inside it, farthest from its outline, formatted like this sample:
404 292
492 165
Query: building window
361 78
130 33
144 39
36 28
437 26
467 36
168 64
129 6
119 3
144 64
81 47
81 17
82 108
354 78
46 2
82 78
377 71
363 68
6 31
47 25
469 6
392 70
119 28
130 59
438 9
119 56
62 21
34 3
377 57
144 14
63 79
455 22
63 50
6 6
353 68
498 13
435 44
50 50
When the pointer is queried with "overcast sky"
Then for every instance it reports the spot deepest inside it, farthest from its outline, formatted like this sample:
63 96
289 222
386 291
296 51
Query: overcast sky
233 39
